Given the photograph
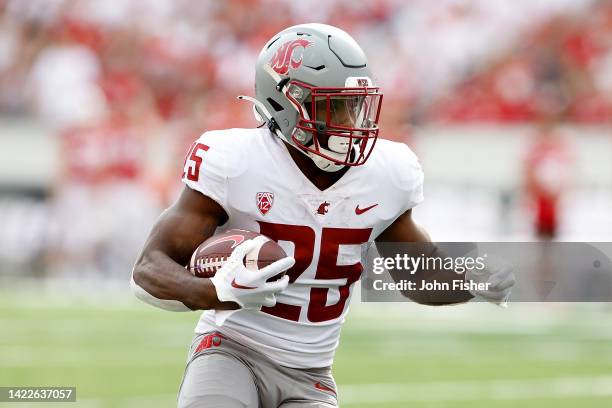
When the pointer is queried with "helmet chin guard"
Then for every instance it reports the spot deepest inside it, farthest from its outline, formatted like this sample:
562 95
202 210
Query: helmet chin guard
325 164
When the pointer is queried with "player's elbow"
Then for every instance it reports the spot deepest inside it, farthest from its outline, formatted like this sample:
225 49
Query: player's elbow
143 272
138 276
138 281
166 304
141 282
135 288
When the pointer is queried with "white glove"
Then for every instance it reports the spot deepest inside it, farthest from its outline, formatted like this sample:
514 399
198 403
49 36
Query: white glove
235 283
500 285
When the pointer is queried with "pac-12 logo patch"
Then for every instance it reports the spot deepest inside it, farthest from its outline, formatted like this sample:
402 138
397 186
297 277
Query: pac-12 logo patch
284 58
264 201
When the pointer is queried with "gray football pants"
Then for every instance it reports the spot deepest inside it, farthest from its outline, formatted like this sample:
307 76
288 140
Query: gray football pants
222 373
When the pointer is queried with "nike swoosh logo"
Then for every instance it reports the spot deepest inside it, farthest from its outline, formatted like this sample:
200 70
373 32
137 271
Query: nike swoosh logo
238 286
322 387
360 211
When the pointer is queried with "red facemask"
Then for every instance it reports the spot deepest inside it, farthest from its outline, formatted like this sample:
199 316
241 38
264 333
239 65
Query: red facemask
338 124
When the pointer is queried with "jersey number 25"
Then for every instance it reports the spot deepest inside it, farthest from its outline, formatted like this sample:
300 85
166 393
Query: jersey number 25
303 238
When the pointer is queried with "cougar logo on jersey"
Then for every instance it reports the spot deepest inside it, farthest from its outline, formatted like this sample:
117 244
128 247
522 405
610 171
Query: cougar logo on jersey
264 202
283 58
323 208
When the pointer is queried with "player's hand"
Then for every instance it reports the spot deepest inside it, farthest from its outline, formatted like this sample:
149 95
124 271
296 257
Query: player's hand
235 283
500 283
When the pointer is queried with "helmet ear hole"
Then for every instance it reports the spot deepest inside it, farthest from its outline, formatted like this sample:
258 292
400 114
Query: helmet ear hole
275 105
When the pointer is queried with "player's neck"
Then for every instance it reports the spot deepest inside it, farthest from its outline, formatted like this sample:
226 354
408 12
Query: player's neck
321 179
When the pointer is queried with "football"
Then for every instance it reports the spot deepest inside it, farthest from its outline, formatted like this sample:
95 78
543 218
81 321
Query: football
212 253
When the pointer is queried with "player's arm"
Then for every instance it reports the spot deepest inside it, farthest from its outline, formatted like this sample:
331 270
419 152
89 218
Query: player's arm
159 276
161 279
499 282
404 229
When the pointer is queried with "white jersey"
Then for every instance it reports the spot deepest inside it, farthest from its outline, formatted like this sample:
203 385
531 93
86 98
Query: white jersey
250 173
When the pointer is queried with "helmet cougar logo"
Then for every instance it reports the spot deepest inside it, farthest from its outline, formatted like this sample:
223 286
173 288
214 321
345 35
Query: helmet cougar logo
283 57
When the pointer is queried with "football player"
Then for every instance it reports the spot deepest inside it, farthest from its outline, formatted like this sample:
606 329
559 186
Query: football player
315 178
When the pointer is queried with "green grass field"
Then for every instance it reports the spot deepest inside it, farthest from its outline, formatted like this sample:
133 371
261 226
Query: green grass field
401 355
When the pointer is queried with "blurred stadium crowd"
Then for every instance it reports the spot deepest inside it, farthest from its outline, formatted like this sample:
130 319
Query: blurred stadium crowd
449 60
125 86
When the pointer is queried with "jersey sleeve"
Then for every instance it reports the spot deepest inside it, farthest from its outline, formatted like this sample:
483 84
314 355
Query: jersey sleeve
205 168
408 178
